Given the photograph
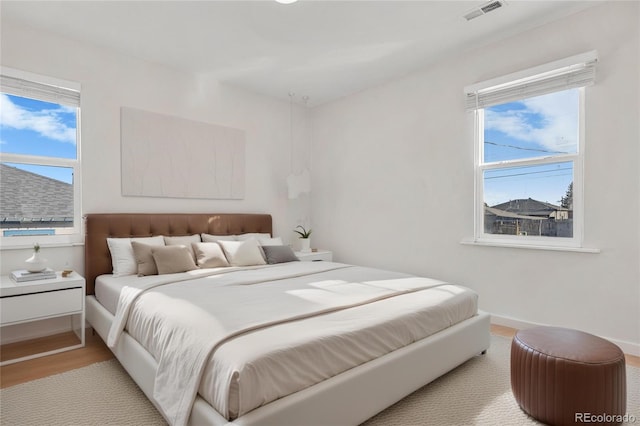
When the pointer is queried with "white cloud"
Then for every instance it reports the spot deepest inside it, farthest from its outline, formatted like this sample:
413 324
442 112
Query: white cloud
47 123
550 121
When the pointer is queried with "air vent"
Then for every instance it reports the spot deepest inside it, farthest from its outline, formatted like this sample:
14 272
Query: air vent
484 9
491 6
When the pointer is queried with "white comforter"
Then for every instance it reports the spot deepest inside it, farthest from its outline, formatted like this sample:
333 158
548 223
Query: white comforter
182 324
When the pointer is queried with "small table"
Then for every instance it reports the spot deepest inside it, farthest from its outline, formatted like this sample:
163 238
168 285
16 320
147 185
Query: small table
44 299
315 256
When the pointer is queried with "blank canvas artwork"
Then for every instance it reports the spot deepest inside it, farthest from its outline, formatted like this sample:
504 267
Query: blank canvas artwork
165 156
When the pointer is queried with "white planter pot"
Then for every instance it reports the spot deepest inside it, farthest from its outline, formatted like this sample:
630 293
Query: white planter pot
36 263
305 245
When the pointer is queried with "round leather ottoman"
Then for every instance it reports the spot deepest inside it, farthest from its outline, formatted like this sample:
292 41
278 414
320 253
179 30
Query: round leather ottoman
566 377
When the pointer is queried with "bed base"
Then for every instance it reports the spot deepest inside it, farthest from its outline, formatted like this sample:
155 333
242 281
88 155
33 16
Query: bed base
347 399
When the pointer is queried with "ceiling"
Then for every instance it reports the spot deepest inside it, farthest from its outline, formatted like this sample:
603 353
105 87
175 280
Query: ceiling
321 49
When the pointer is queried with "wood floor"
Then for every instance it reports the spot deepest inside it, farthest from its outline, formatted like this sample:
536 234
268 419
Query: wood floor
510 332
96 351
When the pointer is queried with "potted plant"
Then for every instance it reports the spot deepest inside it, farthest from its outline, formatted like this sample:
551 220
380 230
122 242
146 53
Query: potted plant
305 240
36 263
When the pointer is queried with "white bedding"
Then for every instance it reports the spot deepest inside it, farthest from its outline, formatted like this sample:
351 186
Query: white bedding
108 287
391 311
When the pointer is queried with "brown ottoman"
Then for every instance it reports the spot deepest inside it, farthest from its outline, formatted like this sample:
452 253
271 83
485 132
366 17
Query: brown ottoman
566 377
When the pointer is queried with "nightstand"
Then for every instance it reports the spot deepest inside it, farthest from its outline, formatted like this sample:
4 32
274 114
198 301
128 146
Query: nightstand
315 256
43 299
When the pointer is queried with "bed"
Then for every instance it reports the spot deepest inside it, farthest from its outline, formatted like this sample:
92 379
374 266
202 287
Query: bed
350 395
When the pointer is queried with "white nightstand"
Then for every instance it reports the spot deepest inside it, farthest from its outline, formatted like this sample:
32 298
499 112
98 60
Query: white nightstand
315 256
43 299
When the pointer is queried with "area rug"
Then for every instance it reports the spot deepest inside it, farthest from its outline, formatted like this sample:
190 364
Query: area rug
476 393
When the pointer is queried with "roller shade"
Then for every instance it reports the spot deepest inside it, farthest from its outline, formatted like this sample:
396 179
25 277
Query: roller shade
40 91
538 82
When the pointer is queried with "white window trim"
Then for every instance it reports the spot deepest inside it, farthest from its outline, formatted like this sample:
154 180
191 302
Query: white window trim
576 243
76 235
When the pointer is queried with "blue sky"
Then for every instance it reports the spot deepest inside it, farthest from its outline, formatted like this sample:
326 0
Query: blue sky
532 128
38 128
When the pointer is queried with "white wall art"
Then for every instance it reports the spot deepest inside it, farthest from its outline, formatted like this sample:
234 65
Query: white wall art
165 156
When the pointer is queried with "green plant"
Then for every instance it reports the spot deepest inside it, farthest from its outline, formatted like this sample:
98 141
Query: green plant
304 233
36 247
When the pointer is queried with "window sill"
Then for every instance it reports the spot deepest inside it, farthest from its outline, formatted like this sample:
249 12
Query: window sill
6 247
530 246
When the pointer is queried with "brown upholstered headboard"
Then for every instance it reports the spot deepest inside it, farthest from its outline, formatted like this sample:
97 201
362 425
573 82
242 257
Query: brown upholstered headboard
99 226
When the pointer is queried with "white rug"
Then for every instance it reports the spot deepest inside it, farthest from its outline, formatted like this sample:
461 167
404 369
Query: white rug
476 393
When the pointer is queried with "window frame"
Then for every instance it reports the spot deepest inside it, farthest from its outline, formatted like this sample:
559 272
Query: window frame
577 159
76 234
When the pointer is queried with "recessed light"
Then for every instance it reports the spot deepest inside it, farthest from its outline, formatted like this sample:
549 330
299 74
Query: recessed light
286 1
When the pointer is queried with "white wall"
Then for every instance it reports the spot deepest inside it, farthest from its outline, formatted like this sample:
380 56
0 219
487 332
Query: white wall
393 181
111 80
392 166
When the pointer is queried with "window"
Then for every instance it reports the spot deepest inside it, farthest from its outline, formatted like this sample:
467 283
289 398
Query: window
529 154
39 159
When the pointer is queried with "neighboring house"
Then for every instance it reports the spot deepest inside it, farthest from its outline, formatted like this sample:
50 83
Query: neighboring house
528 217
531 207
43 202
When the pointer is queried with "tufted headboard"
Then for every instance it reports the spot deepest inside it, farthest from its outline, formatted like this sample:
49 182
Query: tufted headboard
99 226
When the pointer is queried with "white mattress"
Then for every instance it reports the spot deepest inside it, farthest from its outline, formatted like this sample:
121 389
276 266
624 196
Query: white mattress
108 287
277 361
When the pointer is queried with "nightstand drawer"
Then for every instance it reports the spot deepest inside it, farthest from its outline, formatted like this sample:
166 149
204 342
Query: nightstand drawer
40 305
315 256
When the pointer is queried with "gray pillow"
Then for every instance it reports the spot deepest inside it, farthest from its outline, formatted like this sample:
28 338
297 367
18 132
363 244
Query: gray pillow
173 259
279 254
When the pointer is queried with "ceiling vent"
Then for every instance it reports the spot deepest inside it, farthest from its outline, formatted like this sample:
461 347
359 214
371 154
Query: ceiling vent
484 9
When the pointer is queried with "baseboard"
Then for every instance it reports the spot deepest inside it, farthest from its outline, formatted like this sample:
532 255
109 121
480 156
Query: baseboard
629 348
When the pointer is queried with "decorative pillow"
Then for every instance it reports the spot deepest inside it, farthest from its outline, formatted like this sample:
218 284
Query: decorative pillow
279 254
208 238
144 258
243 253
209 255
270 241
255 235
183 241
122 258
173 259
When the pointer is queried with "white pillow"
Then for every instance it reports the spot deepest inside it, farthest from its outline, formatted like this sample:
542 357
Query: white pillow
255 235
243 253
209 255
208 238
277 241
122 258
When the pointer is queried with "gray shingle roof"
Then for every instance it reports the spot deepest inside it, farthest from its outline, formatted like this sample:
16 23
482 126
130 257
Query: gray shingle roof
29 197
503 213
528 207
